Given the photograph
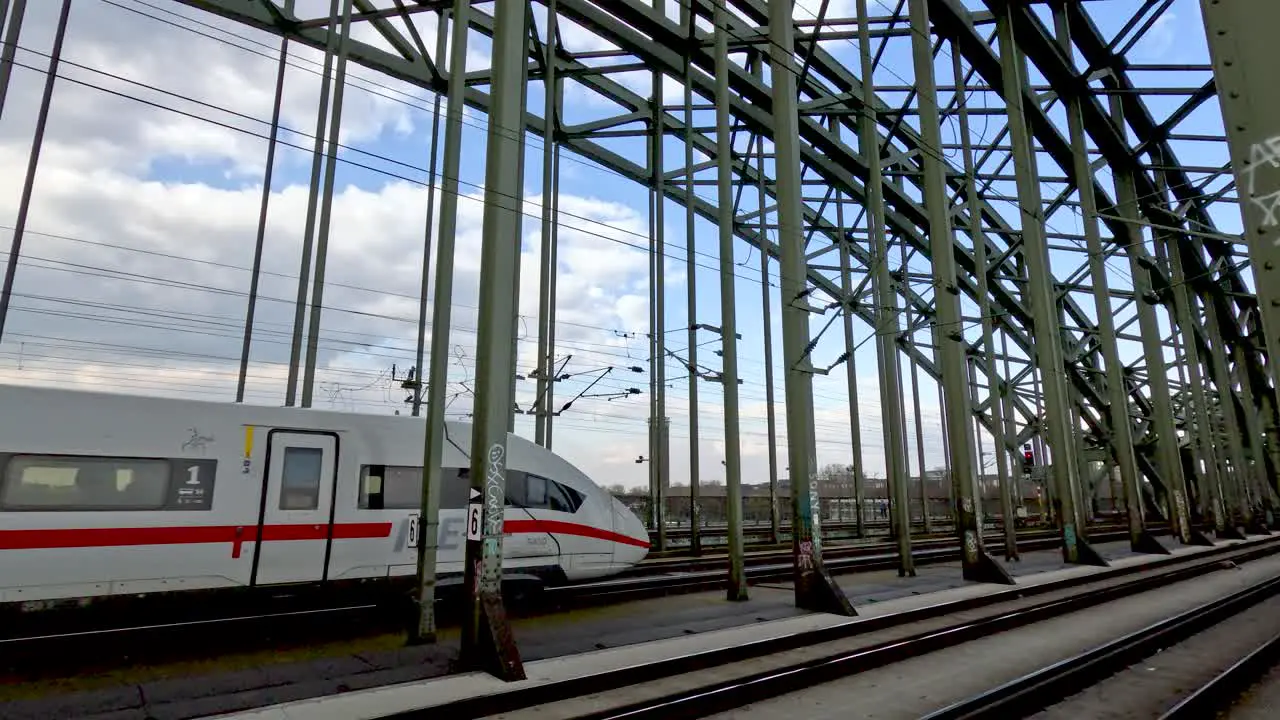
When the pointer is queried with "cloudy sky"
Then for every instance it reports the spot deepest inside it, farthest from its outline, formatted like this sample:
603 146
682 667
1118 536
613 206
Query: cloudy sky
134 272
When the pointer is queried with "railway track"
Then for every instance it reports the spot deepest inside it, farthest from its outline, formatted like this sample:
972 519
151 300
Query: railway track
49 646
717 681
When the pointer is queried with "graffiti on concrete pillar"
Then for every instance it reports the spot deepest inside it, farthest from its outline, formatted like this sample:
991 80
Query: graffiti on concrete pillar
1264 154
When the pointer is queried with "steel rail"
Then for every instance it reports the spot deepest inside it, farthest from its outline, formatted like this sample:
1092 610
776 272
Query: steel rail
1220 692
1038 690
731 694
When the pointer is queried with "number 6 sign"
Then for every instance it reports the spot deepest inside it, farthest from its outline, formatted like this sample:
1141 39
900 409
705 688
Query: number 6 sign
473 521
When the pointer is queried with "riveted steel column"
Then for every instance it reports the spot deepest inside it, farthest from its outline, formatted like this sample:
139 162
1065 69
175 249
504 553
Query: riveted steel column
33 159
1239 477
1044 308
425 287
1242 47
1200 433
326 211
886 315
313 198
814 587
1121 437
851 365
260 239
914 380
1257 470
1169 460
981 267
12 28
691 280
659 423
737 589
486 637
550 187
767 323
441 319
977 564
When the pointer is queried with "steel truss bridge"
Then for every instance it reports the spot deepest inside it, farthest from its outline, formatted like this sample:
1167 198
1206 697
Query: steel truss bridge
994 187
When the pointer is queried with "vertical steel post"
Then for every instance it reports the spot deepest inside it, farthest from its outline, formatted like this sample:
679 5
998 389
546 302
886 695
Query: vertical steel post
1169 461
916 411
1253 436
12 33
1199 434
977 564
326 212
767 322
425 288
1239 478
815 589
441 319
313 197
33 159
1044 307
886 315
737 589
1242 47
847 307
486 637
659 423
546 356
983 271
259 241
1121 439
551 287
691 284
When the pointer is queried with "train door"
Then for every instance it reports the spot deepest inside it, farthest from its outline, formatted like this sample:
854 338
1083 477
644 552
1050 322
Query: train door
297 508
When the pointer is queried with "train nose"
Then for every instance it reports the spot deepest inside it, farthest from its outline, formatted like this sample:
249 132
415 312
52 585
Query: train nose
625 523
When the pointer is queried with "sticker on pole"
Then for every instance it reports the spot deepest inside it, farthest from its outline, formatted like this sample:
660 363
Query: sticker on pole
413 531
474 511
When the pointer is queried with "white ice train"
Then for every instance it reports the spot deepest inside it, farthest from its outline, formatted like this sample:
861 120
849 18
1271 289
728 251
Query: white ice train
115 495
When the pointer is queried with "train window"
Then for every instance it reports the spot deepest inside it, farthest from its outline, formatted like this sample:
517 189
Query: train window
399 487
34 482
539 493
300 484
563 498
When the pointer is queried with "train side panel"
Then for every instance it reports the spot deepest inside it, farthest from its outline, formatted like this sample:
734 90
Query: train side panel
118 496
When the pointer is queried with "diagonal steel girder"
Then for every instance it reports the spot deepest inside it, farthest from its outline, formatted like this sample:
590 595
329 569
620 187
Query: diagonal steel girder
906 216
1050 59
413 69
646 33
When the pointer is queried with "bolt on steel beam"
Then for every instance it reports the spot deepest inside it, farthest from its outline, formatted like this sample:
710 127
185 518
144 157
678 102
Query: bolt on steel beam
977 564
815 589
487 642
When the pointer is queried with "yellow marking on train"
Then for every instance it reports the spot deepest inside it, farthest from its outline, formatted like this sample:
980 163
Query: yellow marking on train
248 441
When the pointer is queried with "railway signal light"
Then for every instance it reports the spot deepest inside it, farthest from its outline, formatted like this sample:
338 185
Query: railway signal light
1028 460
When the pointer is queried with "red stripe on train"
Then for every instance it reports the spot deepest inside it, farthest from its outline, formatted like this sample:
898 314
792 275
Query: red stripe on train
237 534
512 527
